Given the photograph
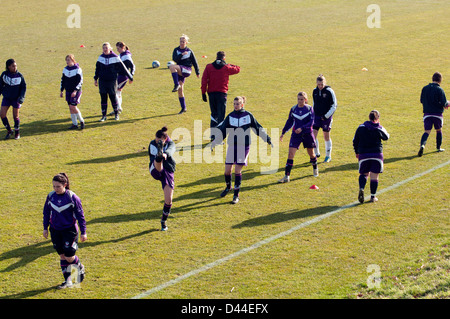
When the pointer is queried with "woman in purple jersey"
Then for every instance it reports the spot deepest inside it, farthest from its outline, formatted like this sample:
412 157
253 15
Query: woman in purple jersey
13 88
62 210
301 118
184 58
71 81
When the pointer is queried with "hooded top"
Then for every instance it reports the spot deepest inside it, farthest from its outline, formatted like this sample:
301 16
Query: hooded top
215 78
368 138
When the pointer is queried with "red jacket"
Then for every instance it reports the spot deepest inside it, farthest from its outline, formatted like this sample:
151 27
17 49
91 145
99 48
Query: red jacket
216 75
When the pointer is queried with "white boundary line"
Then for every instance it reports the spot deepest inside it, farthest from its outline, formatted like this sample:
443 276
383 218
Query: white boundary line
275 237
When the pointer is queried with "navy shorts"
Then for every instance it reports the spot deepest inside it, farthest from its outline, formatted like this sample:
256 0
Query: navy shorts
8 102
370 165
324 124
73 100
237 154
65 241
306 138
166 178
433 120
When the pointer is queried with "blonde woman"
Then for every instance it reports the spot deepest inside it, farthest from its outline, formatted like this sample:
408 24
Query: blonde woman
185 59
237 124
71 81
107 70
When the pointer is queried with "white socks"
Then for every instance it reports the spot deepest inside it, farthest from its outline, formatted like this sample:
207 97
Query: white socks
328 147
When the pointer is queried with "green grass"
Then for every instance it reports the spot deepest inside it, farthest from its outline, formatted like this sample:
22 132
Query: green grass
281 47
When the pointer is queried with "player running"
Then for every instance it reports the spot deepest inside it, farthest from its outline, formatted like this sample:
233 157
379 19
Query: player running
369 152
434 101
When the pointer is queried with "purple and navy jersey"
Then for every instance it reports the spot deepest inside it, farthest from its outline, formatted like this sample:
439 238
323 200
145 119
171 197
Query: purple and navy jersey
368 138
169 148
128 61
188 59
325 102
63 211
300 117
109 66
237 125
13 86
72 78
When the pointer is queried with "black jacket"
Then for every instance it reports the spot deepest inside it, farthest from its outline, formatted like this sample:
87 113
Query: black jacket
368 138
13 86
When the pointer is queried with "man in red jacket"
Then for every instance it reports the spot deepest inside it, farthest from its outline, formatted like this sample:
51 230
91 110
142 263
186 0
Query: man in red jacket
215 82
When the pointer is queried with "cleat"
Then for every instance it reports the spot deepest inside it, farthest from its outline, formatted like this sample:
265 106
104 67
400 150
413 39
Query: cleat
285 179
82 125
159 156
103 119
421 151
440 150
182 111
327 159
176 88
65 284
225 192
16 135
73 127
164 227
235 200
361 196
373 199
116 117
315 172
8 135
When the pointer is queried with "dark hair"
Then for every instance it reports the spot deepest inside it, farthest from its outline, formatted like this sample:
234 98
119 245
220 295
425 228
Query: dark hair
220 55
162 133
122 45
437 77
374 115
8 63
63 179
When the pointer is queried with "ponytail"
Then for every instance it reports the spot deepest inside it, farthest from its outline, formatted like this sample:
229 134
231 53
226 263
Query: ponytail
63 179
162 133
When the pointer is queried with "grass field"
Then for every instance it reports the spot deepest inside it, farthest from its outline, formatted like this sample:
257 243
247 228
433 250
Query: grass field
281 47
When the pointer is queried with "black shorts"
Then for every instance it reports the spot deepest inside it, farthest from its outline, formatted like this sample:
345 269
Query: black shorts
65 241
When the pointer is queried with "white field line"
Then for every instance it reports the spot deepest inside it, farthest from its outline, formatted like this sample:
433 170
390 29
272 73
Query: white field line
277 236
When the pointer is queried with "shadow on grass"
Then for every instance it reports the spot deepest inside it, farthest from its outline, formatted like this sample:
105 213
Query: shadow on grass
281 217
30 253
110 159
62 125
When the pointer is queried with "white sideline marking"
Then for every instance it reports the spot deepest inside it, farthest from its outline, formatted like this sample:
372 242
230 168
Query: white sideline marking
275 237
